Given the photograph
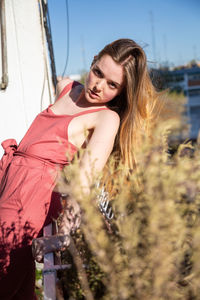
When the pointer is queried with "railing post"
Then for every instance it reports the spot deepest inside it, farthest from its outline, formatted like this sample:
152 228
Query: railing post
49 272
45 247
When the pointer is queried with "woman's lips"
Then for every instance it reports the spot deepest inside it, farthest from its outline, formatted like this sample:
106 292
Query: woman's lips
93 94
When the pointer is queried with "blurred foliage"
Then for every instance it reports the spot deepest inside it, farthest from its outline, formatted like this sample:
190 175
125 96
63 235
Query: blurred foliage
83 77
174 116
38 287
153 251
69 278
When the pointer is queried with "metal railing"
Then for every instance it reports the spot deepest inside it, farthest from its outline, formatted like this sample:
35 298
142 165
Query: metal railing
52 263
51 242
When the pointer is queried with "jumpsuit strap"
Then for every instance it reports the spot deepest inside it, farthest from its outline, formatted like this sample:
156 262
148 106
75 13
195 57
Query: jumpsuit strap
67 88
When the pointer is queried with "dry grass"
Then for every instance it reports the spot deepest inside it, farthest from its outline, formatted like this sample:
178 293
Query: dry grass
154 250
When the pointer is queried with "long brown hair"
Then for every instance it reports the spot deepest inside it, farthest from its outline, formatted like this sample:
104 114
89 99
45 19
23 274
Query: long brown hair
136 105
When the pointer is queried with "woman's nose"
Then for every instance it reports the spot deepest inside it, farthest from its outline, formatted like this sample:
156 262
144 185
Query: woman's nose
99 85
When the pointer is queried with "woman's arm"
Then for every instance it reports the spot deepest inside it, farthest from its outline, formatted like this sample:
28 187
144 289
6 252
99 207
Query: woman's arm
92 162
99 147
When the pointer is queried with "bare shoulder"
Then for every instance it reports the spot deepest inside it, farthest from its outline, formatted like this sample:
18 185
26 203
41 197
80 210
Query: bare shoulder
108 116
62 82
108 120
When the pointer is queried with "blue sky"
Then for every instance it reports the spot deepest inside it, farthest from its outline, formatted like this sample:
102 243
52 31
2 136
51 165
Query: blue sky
94 23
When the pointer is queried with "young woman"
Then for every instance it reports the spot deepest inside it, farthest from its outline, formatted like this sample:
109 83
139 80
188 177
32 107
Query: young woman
115 108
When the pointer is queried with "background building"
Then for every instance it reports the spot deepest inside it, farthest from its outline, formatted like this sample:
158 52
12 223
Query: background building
184 79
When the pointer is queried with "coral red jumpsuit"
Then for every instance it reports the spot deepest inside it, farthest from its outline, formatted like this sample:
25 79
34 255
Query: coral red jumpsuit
29 174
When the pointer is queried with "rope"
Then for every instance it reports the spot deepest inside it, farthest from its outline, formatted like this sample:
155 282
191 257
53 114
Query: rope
67 18
46 73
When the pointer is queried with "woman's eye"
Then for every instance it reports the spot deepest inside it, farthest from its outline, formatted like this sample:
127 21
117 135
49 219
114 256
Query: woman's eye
112 85
97 72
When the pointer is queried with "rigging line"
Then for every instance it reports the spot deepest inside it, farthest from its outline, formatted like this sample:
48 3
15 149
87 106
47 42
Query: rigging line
46 71
44 57
67 19
47 26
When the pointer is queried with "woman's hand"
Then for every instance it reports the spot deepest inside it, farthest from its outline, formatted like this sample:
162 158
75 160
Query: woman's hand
71 216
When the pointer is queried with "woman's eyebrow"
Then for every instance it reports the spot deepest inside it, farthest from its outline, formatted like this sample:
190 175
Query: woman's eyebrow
99 69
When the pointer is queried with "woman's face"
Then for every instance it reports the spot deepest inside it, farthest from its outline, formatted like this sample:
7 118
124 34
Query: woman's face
105 81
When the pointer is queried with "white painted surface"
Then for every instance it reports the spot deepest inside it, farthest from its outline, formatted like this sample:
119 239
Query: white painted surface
30 88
